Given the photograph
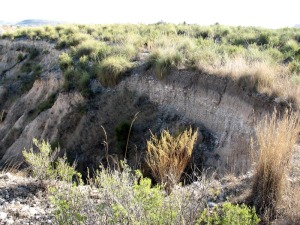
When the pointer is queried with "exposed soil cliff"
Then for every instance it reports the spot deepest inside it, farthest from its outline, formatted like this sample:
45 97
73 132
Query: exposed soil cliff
33 104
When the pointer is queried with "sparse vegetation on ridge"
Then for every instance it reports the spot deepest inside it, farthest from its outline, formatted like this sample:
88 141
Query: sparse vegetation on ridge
268 59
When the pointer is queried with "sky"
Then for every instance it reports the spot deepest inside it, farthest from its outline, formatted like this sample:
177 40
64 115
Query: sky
263 13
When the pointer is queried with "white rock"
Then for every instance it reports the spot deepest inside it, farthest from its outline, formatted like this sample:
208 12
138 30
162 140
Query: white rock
211 204
3 215
10 221
33 211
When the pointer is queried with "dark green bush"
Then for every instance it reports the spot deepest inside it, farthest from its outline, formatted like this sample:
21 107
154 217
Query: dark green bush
263 39
47 104
121 132
33 53
76 79
65 61
21 57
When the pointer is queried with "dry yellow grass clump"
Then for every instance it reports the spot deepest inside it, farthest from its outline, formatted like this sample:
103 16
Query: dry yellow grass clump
168 156
276 137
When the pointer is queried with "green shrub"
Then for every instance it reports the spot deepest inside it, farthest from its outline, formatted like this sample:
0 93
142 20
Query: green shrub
69 79
33 53
69 40
83 82
89 48
70 204
103 52
290 46
228 215
111 69
205 57
129 198
294 67
26 67
45 165
113 197
8 35
21 57
77 39
77 79
263 39
127 51
65 172
65 61
83 62
31 66
41 161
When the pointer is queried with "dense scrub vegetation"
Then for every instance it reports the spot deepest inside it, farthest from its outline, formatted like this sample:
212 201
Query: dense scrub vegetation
263 60
124 196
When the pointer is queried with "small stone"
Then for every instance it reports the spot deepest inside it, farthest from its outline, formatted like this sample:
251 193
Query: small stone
33 211
6 194
211 204
221 197
10 221
2 201
17 203
4 177
3 215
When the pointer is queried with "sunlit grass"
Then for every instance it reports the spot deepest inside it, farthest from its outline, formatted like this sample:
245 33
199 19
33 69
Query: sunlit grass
111 69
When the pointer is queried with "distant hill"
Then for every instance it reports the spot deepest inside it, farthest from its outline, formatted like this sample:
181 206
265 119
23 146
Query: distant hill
297 25
34 22
2 23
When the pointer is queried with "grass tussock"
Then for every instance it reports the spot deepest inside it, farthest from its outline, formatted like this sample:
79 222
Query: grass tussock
168 156
111 69
89 48
165 59
65 61
276 139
